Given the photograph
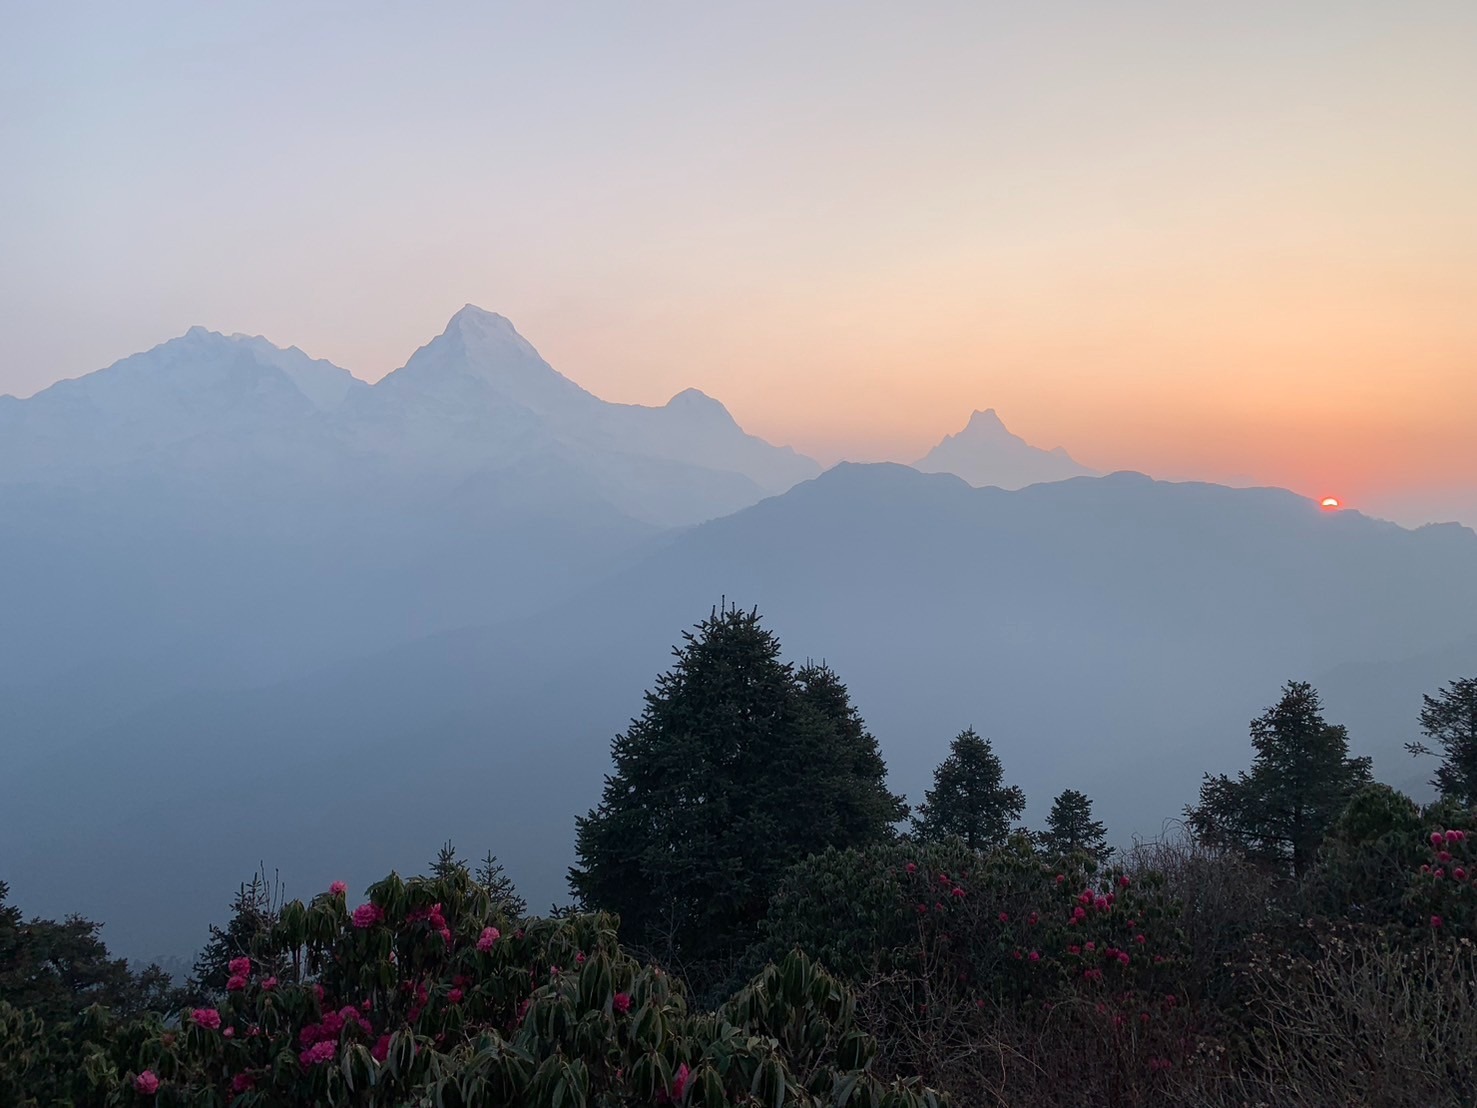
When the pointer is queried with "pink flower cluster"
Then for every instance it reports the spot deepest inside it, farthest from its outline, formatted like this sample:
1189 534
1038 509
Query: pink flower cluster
318 1053
338 888
240 974
328 1029
206 1017
435 918
489 936
146 1083
367 915
621 1002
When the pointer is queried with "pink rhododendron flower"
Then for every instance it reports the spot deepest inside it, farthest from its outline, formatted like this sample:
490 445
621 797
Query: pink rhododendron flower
1034 956
381 1049
239 967
269 984
1074 949
317 1054
146 1083
1437 838
367 915
206 1017
455 996
1016 954
236 984
1079 912
338 888
228 1033
1444 856
1060 878
1090 946
1455 836
1123 881
911 867
242 1083
1004 917
621 1002
1436 921
680 1080
944 879
1140 939
1032 919
1459 873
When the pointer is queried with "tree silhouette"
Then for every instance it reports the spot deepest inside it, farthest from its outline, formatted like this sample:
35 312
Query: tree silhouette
1070 828
969 798
1301 779
1449 719
737 768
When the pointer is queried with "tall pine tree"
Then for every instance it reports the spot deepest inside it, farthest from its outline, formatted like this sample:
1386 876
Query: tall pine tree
1070 828
1449 719
1301 779
738 768
969 799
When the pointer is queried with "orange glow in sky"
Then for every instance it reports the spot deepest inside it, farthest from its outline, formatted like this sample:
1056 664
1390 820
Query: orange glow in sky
1231 242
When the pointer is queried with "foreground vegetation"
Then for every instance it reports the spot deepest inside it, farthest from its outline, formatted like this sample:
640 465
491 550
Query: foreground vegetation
761 922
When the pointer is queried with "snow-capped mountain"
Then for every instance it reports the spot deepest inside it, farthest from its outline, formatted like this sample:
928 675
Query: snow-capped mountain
219 481
987 453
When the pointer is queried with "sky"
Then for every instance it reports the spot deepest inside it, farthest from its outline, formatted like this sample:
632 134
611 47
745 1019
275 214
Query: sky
1226 241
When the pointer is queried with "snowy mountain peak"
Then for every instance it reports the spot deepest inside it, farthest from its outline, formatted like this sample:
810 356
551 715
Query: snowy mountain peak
986 452
698 404
986 422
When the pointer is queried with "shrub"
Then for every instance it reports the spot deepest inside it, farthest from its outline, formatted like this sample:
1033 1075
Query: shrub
426 995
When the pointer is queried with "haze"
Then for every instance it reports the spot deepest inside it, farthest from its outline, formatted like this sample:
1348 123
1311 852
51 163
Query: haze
1229 242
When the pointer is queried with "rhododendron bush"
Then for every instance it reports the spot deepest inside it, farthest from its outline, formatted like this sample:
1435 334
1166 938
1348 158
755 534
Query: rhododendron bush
422 995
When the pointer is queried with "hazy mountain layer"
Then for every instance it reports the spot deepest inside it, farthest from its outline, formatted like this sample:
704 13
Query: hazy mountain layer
1113 635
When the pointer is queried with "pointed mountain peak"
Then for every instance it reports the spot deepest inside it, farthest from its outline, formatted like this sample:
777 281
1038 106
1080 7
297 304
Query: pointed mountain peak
479 358
986 420
470 315
986 452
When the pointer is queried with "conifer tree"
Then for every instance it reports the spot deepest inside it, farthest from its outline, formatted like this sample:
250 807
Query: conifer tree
447 864
737 768
1449 719
1301 780
253 913
1070 828
969 799
491 876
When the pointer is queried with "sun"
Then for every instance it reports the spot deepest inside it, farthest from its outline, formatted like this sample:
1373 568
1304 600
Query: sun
1329 503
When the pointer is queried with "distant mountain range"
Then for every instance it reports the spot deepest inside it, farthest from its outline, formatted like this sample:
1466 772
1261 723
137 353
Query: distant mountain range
258 610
